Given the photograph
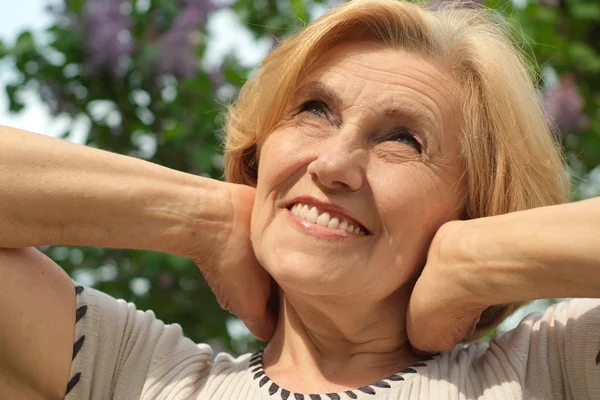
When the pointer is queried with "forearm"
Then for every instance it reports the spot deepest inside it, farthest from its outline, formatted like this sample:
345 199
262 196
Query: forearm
540 253
56 192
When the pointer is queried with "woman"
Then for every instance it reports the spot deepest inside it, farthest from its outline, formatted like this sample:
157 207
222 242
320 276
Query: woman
408 196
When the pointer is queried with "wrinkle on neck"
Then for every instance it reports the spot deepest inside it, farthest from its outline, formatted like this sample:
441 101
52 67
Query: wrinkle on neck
324 345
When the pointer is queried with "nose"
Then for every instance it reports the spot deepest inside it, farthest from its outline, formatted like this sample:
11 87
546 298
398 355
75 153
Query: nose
340 164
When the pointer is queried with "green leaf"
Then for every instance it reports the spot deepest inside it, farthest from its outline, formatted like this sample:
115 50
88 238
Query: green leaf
300 10
12 92
173 132
585 11
24 44
66 41
148 56
234 73
75 6
584 57
3 50
169 6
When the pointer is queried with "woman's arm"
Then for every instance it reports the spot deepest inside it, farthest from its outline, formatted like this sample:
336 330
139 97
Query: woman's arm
540 253
37 310
547 252
56 192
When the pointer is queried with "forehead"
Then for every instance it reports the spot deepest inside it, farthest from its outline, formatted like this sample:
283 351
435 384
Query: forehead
381 65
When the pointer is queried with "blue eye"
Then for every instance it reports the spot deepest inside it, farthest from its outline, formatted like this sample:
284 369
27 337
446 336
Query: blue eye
315 107
405 137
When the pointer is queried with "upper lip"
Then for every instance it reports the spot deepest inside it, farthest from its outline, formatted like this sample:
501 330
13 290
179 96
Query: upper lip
328 207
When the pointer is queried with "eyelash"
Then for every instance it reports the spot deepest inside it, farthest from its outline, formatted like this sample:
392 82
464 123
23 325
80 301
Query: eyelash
311 105
406 134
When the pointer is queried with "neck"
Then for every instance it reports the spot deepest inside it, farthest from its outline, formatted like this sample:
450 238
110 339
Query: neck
330 345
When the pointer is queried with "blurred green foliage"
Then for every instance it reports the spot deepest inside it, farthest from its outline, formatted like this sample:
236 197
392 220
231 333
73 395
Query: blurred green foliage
116 70
564 39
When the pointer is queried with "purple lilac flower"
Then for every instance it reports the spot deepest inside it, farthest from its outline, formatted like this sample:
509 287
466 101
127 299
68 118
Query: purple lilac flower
200 3
107 31
217 77
564 108
178 45
166 280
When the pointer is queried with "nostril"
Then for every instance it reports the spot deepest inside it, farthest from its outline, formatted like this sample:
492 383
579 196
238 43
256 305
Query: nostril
340 176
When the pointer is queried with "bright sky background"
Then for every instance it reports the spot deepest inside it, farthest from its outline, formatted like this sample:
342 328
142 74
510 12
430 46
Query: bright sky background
25 14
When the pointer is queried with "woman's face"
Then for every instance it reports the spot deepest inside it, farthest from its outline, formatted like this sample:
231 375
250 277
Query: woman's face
371 140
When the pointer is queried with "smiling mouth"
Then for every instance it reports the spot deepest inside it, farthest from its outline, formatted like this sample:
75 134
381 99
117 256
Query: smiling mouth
331 220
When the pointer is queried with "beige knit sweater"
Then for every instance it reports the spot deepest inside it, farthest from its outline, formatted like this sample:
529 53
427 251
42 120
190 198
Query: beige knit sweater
121 353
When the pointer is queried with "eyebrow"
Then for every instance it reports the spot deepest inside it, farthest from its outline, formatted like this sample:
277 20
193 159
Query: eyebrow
320 90
413 114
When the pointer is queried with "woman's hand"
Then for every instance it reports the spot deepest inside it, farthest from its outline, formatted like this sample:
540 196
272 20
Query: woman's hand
444 308
541 253
239 282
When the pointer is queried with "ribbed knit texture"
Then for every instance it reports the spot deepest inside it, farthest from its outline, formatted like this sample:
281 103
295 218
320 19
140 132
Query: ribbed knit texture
128 354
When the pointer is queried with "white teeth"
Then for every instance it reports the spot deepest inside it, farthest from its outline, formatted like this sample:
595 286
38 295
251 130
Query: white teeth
303 211
333 223
343 226
323 219
312 215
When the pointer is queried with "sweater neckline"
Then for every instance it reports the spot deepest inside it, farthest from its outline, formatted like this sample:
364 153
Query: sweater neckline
261 378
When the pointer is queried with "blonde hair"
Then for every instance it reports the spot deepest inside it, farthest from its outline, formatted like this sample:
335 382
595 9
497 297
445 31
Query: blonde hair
511 160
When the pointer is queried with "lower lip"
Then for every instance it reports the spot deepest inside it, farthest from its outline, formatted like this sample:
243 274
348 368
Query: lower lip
319 230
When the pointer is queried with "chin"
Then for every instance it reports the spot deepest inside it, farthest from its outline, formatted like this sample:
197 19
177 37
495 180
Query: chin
302 270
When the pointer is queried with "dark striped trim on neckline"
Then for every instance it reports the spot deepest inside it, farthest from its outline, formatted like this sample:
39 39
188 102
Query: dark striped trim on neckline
256 368
78 345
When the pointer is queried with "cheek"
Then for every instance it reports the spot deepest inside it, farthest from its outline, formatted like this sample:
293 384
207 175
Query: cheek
282 156
282 163
413 203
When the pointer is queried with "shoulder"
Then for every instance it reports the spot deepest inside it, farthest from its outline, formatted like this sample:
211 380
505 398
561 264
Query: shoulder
552 354
564 324
123 352
555 353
